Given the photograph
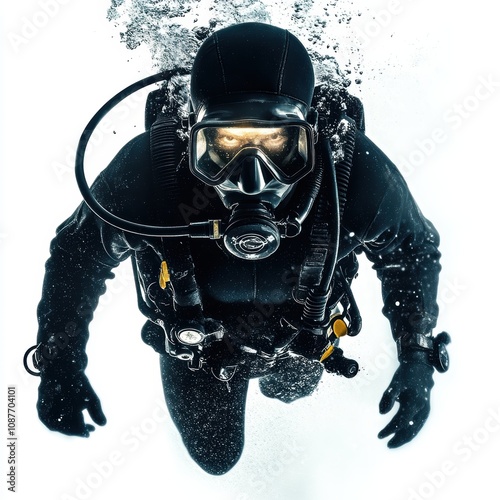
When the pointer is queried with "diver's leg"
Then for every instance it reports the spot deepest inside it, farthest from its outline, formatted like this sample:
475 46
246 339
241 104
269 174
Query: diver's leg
209 414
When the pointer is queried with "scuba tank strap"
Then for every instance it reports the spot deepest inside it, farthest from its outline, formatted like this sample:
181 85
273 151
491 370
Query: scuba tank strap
163 133
325 283
321 234
177 266
343 141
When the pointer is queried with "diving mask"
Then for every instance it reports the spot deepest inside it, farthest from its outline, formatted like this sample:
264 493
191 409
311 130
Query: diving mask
221 149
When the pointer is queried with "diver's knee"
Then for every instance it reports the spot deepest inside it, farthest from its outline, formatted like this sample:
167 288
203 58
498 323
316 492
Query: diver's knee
216 460
217 468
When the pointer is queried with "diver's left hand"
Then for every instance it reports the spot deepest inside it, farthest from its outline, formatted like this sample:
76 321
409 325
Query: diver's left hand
62 400
410 387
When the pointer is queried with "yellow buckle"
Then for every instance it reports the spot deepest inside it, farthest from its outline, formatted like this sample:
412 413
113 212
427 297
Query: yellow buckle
164 275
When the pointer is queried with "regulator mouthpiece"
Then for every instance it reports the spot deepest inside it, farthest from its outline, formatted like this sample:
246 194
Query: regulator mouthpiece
251 233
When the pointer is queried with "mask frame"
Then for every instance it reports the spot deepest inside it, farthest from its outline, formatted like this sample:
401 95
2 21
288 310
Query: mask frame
277 171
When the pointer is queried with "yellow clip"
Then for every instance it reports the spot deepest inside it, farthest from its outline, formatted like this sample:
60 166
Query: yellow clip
216 229
339 326
164 275
327 353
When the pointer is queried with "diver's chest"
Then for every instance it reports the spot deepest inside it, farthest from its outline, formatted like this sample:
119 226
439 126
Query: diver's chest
228 279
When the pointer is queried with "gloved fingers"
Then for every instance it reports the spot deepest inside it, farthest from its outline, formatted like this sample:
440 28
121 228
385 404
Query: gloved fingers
389 429
95 411
70 424
400 420
408 421
61 408
91 402
76 426
401 437
389 397
88 428
414 426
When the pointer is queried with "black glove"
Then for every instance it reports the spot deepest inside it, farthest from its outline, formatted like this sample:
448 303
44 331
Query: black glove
410 387
61 401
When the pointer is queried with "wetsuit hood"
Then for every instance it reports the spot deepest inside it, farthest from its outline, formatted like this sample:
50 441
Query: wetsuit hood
252 58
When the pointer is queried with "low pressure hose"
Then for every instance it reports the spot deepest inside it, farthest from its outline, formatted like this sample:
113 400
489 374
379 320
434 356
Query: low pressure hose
315 305
207 229
306 200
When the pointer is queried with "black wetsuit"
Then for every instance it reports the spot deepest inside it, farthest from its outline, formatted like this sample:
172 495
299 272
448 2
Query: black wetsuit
380 218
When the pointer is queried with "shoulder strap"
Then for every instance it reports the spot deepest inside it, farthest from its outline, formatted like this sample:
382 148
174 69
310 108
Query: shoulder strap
164 162
177 266
343 115
343 151
320 239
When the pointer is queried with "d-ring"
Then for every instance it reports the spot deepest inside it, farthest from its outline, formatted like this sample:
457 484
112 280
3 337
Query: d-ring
25 361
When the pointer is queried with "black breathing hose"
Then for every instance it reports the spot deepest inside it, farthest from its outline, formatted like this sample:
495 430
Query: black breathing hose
306 200
207 229
316 301
194 230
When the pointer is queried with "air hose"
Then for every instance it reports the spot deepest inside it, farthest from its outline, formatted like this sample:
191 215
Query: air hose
314 313
212 229
306 200
206 229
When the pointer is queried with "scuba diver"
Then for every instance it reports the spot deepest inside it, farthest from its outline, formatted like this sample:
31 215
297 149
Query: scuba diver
242 223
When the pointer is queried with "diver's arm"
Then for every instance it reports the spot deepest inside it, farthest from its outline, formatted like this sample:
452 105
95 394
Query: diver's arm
406 259
400 242
403 247
82 256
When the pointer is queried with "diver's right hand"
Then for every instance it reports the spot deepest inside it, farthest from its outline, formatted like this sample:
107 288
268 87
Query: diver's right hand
61 401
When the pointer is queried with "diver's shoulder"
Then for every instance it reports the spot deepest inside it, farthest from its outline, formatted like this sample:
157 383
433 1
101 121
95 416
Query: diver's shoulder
373 172
373 179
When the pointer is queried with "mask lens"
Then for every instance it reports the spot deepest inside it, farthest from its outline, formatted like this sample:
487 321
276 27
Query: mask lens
287 149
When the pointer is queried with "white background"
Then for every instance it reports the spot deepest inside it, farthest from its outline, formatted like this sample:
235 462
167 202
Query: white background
431 89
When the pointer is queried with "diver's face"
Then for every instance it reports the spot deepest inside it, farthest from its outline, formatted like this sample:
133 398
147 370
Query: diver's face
252 176
230 140
252 157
